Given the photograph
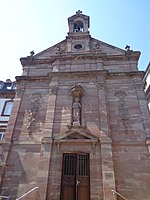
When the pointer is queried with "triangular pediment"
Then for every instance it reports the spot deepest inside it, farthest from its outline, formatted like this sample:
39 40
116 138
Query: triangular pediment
52 51
106 48
96 45
78 16
76 133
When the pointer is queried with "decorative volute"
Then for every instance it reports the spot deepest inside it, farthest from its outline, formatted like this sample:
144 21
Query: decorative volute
78 23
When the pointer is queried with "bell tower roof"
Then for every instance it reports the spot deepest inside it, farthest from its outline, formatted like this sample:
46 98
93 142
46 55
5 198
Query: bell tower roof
78 22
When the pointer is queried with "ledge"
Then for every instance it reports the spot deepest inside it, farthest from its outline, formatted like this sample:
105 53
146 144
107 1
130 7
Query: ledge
81 73
133 55
28 78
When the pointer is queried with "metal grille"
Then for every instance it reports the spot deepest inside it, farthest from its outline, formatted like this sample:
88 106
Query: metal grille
82 165
69 164
71 161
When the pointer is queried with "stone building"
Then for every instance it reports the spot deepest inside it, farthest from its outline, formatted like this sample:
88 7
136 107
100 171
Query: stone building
147 84
7 94
80 126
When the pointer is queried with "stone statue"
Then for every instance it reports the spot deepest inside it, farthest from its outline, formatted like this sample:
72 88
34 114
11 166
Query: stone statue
31 117
77 93
76 110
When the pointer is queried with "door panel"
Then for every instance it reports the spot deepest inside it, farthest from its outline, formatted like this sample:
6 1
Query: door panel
83 188
83 177
68 177
75 177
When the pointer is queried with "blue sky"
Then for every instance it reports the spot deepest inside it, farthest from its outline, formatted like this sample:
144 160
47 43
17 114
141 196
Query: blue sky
28 25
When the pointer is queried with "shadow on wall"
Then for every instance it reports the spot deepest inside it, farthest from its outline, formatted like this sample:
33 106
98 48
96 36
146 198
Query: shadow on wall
20 173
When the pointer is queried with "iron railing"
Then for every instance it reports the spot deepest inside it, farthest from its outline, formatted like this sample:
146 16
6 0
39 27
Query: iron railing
117 193
24 195
5 197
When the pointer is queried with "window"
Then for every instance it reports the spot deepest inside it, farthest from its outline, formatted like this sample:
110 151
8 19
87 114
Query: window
2 134
1 85
14 86
8 87
7 108
78 26
78 46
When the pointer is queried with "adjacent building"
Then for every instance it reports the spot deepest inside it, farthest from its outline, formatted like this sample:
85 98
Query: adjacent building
147 84
7 94
80 125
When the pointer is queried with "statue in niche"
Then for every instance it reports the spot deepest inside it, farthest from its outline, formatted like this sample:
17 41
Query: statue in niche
77 92
76 107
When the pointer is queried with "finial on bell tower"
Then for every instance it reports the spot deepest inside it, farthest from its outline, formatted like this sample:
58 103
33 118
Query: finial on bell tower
78 12
78 22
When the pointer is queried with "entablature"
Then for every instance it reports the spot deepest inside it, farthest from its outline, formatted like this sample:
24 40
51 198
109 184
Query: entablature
134 56
104 73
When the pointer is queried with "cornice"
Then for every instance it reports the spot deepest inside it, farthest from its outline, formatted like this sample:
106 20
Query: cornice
97 73
93 55
32 78
133 73
81 73
78 35
104 73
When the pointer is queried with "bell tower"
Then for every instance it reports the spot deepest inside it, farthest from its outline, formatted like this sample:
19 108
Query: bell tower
78 22
78 36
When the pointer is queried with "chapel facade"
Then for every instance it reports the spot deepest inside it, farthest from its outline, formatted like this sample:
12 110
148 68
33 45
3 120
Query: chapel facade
80 126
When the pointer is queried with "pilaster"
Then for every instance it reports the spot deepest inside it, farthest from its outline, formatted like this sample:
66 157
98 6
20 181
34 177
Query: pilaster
104 121
46 147
107 168
53 87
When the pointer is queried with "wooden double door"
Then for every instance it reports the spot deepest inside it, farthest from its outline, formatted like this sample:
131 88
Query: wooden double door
75 183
